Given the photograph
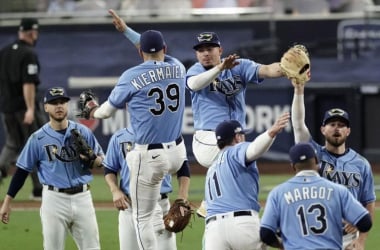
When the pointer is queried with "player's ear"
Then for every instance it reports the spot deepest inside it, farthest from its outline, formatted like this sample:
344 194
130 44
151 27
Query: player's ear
45 107
348 131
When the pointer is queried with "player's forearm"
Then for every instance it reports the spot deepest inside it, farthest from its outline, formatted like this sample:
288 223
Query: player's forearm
132 36
183 189
259 146
111 180
301 132
204 79
105 110
270 71
29 92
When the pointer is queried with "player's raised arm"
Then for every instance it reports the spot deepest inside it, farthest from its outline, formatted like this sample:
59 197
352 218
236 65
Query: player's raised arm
121 26
262 143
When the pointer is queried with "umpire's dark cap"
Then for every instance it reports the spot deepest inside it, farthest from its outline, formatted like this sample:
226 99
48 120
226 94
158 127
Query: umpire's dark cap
28 24
209 38
301 152
55 93
336 114
228 129
152 41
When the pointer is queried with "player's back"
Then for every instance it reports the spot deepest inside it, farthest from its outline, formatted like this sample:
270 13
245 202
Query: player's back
311 210
155 93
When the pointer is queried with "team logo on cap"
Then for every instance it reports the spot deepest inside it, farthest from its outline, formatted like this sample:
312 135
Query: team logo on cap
339 112
56 91
205 37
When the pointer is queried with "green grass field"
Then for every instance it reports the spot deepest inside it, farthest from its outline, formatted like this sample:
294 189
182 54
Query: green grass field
24 230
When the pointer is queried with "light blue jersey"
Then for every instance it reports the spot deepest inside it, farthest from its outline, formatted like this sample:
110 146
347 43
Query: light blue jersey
350 170
231 184
54 155
223 99
119 145
308 210
155 93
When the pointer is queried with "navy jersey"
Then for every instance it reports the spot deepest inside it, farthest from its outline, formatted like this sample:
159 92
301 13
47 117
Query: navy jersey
231 183
223 99
119 145
155 93
18 64
308 210
54 155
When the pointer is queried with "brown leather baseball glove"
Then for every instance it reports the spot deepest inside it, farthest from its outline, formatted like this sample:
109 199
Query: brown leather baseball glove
295 64
178 216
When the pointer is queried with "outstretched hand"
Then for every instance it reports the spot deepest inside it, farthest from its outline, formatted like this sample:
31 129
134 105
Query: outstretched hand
229 62
280 124
119 23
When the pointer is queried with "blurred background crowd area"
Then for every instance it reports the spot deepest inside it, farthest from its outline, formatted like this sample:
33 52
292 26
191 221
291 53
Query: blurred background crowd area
163 7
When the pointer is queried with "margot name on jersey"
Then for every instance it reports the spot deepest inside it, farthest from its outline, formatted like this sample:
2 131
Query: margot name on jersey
308 193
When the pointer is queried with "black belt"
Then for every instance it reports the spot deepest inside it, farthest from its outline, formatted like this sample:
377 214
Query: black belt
160 145
163 196
236 214
71 190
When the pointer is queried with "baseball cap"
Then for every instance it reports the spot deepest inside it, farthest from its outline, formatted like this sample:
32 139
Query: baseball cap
152 41
28 24
210 38
54 94
228 129
301 152
338 114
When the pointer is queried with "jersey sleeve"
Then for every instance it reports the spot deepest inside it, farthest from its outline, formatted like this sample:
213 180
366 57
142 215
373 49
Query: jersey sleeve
270 218
250 71
353 211
122 92
30 68
113 155
368 194
29 155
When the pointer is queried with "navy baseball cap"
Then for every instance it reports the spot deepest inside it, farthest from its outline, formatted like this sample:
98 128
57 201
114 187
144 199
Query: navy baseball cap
28 24
338 114
301 152
152 41
228 129
210 38
55 93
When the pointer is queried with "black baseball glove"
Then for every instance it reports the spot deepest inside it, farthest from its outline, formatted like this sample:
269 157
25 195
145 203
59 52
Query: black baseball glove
84 150
87 103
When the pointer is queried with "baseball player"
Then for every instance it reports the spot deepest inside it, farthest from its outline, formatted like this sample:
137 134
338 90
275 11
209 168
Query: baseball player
308 210
155 93
217 87
119 145
338 163
232 187
65 174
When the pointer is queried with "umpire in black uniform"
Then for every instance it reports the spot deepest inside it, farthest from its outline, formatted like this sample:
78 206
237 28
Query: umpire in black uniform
20 111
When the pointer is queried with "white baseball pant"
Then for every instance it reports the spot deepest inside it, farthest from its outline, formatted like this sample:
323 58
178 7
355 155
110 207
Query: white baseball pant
127 233
62 213
233 231
204 147
148 165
